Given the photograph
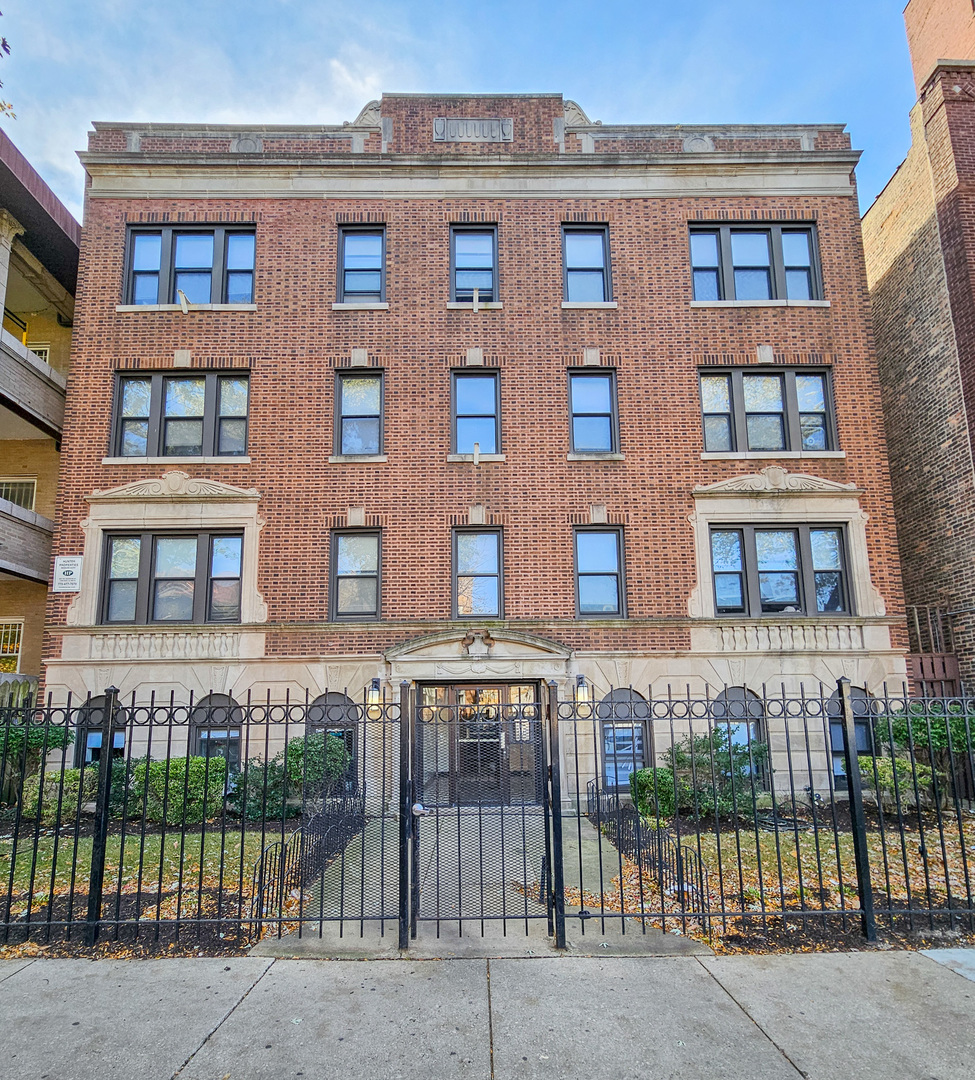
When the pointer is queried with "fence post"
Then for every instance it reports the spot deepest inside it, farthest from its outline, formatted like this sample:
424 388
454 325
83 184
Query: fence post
861 853
405 813
96 879
555 809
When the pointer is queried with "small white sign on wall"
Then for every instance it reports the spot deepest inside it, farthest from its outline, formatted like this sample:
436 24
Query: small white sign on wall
67 573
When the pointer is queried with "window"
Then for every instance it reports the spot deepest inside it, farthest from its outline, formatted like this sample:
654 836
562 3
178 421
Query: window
739 713
355 575
623 714
476 408
761 571
592 402
473 264
586 265
362 262
732 262
477 575
599 573
181 416
88 742
11 636
19 491
334 715
767 411
359 414
172 578
209 266
864 709
216 725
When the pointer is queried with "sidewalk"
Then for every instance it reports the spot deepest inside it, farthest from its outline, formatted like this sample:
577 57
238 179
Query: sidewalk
827 1016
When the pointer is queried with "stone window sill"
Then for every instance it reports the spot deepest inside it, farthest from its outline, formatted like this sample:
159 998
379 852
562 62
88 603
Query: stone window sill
234 459
480 457
190 307
755 455
357 459
360 307
483 305
594 457
758 303
581 305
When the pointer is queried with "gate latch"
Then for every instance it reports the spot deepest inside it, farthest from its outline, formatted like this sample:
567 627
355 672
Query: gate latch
419 810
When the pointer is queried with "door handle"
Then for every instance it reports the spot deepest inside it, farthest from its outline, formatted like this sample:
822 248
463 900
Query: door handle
419 810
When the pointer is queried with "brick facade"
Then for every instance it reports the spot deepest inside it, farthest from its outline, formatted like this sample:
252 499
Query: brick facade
646 185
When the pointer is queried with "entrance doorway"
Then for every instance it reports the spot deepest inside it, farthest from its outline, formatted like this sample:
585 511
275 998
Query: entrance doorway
479 744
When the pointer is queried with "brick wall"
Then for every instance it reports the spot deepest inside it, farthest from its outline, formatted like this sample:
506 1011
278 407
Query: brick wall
25 600
938 30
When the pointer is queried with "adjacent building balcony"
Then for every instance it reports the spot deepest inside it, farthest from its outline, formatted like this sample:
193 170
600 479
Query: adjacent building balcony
31 388
25 542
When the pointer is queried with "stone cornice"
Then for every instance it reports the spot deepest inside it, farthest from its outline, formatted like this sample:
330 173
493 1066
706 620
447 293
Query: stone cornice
774 480
175 486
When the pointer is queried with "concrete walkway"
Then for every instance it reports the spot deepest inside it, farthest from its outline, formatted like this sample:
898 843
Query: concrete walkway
883 1015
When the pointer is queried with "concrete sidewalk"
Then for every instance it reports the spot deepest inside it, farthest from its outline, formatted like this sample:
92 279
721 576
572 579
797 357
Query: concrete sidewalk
884 1015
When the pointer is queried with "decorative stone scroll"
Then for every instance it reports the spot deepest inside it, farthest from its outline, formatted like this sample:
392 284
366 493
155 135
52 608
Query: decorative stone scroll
473 129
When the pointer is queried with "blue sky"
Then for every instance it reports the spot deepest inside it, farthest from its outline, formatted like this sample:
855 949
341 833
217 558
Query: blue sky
320 61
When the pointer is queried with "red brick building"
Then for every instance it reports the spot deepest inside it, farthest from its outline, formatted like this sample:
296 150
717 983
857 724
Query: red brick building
919 241
473 392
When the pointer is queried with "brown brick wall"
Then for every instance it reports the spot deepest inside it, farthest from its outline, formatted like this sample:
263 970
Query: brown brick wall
37 458
938 30
25 600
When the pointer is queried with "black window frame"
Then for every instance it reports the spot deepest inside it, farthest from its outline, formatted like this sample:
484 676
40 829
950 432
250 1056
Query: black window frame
627 710
614 416
88 723
340 417
617 531
606 269
806 571
777 266
456 230
866 709
218 713
791 415
333 576
344 295
146 577
475 530
155 439
166 292
475 373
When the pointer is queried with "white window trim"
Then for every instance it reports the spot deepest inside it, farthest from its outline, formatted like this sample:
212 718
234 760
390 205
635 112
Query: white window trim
776 496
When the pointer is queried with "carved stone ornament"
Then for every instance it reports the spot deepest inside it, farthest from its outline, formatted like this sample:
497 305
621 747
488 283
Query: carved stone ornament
478 643
246 144
698 144
369 117
774 480
176 486
574 116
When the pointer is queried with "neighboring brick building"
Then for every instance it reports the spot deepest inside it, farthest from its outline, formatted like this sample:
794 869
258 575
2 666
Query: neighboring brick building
38 271
436 407
919 240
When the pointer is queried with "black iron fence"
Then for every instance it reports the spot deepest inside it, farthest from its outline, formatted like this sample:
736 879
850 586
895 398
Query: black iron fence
752 818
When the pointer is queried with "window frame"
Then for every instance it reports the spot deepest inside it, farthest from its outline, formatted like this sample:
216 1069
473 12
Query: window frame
166 292
806 572
616 530
614 414
777 265
202 719
333 578
358 373
475 530
603 231
155 446
790 412
202 578
343 296
495 296
475 373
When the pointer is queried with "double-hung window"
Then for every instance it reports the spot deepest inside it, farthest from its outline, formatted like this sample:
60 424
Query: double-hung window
748 262
359 414
362 276
172 578
767 411
586 265
199 415
206 266
474 264
355 575
592 403
599 573
476 409
477 575
771 571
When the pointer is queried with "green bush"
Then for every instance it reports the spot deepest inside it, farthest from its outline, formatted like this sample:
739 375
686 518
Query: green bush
655 793
58 786
38 739
878 774
180 791
307 768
